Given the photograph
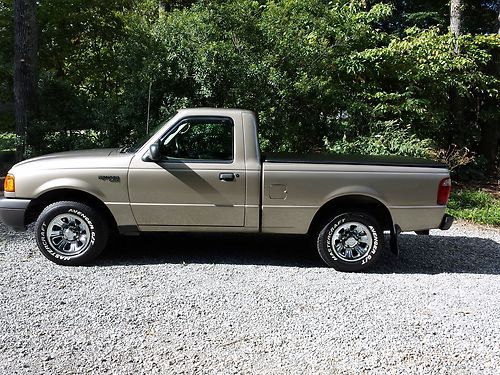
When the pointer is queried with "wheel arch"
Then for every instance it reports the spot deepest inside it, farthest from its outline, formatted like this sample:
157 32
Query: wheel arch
352 203
37 205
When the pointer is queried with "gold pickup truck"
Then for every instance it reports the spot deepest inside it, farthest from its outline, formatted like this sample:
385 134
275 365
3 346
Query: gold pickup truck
202 171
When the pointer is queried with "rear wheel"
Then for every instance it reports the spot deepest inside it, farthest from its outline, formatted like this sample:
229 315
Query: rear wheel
351 242
71 233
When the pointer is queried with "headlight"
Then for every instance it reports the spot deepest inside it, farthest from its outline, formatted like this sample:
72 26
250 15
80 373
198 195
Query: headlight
9 185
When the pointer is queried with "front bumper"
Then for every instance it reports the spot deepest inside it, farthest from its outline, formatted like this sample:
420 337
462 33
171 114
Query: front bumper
446 222
12 212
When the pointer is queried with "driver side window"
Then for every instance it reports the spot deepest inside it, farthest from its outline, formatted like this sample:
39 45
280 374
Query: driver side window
200 139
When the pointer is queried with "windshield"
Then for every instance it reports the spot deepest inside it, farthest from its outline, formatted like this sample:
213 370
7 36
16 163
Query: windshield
142 140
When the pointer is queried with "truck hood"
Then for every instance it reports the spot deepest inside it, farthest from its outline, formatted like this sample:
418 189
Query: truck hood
95 159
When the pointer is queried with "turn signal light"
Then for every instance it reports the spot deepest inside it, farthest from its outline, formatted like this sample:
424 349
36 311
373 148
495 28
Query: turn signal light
9 184
444 191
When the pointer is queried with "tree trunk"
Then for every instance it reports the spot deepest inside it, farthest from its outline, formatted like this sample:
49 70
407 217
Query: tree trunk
25 70
456 101
456 17
498 16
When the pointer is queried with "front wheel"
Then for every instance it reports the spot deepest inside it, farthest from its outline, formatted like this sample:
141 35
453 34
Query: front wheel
351 242
71 233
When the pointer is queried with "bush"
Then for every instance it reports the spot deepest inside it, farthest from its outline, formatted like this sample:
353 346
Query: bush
311 69
476 206
387 139
7 142
64 140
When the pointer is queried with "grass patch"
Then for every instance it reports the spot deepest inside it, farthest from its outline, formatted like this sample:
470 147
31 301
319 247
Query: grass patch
476 206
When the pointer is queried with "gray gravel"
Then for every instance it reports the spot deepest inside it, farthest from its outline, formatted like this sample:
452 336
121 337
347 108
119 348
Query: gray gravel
246 304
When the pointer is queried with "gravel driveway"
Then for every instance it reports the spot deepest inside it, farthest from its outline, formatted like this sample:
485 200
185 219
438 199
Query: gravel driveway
246 304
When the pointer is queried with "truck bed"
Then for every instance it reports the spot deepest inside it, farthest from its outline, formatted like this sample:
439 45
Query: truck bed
381 160
296 186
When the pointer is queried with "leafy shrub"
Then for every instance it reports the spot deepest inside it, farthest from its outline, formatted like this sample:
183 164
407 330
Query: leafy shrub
388 139
56 141
311 69
7 142
476 206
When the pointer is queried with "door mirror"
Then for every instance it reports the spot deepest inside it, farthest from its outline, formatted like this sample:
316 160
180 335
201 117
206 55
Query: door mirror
154 152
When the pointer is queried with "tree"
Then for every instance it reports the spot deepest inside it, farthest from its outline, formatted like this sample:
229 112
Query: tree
25 69
341 75
6 66
456 17
168 5
498 16
456 102
489 144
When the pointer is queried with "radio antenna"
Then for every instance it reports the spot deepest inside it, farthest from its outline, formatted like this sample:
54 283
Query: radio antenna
149 105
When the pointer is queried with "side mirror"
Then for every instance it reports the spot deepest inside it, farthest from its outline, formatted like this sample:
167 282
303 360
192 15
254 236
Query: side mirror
154 152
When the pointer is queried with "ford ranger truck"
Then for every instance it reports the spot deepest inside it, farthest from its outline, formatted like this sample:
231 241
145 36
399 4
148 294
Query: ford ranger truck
202 171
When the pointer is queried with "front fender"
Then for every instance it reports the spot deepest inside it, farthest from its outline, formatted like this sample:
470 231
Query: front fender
68 183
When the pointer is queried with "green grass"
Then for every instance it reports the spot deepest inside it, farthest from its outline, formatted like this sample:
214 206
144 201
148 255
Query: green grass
476 206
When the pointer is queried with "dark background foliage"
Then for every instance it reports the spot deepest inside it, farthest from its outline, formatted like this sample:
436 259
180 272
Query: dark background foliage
339 76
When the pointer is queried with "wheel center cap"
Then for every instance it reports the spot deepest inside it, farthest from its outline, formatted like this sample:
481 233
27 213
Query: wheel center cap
69 234
351 242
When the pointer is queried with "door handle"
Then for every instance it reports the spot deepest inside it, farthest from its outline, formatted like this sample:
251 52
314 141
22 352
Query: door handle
226 177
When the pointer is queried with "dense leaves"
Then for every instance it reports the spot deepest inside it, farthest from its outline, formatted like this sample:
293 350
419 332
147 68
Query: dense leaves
476 206
343 76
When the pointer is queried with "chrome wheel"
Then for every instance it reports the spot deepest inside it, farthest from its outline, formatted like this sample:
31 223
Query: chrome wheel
68 234
351 241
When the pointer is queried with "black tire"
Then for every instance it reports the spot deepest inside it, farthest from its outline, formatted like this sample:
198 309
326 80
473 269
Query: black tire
81 227
359 242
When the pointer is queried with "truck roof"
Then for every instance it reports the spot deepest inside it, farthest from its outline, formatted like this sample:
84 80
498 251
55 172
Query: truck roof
214 111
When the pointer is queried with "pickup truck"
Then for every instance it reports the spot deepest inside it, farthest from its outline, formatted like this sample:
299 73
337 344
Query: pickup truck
202 171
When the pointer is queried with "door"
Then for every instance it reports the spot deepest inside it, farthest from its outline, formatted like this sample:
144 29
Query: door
200 180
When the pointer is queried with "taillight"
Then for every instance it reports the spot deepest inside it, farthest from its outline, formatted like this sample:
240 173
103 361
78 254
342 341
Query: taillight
444 191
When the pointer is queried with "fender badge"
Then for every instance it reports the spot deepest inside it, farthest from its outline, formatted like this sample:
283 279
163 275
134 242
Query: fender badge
109 178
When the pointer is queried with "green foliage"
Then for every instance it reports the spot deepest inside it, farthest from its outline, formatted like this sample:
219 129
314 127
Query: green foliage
7 142
7 151
93 80
281 59
6 66
387 139
323 75
423 13
476 206
411 77
6 50
321 69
